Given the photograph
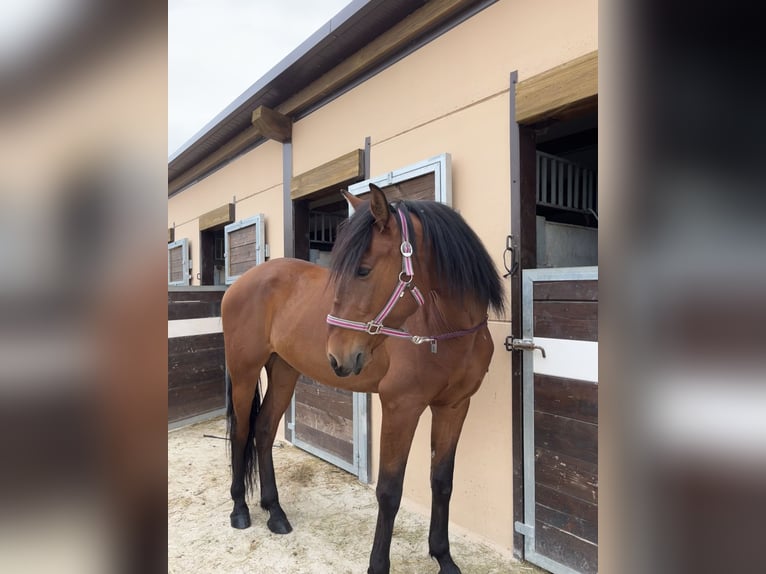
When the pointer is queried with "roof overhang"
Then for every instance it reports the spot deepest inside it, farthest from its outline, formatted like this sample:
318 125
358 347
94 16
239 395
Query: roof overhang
375 32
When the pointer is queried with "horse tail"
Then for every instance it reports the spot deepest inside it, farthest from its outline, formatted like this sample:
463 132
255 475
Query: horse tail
250 457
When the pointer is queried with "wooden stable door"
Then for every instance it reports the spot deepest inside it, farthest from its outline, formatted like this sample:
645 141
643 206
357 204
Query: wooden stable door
560 418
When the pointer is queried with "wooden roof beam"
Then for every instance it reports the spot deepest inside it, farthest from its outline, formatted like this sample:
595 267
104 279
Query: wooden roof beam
273 125
265 124
569 86
348 168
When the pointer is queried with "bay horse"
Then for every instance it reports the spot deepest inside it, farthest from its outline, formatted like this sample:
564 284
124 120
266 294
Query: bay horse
426 274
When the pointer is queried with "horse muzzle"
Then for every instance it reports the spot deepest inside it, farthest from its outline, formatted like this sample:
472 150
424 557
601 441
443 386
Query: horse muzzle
352 364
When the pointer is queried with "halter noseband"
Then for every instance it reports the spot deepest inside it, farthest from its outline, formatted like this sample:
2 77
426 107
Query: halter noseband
376 327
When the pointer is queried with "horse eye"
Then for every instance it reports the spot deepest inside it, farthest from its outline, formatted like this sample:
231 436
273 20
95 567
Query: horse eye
363 272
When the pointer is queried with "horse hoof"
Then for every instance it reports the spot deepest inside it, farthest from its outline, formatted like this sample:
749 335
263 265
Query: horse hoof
240 520
279 525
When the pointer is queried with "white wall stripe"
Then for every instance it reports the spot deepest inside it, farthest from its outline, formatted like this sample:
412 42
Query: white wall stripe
190 327
565 358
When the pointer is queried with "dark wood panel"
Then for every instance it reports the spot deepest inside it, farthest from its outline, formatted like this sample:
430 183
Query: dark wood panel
566 474
567 436
197 391
568 523
195 294
196 399
566 397
176 255
189 377
331 444
566 548
242 236
183 371
182 345
175 261
197 357
244 252
193 309
576 320
196 361
581 510
422 187
335 401
339 427
575 290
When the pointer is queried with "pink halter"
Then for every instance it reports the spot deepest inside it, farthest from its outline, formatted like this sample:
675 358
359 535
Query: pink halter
376 327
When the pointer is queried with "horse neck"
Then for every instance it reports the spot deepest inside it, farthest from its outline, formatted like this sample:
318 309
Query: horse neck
443 312
450 313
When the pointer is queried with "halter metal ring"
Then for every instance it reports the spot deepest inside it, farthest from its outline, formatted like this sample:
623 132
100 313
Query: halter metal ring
406 249
402 275
374 328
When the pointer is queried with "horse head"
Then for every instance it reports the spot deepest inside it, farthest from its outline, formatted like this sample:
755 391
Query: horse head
373 269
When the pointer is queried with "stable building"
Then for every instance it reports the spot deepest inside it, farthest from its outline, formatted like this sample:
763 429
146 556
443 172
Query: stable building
488 106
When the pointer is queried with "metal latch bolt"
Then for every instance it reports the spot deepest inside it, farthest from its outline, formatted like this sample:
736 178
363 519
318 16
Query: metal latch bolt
512 344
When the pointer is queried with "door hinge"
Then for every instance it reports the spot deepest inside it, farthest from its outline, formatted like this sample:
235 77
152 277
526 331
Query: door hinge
512 344
524 529
510 249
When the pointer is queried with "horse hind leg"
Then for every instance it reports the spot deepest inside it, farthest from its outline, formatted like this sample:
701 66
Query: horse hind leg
282 380
241 411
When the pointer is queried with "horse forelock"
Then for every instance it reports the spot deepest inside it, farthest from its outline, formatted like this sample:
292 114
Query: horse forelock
354 236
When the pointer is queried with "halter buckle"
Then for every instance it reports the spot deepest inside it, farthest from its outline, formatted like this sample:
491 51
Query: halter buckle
406 249
374 328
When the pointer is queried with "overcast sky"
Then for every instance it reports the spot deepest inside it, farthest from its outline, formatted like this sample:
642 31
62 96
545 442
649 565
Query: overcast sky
219 48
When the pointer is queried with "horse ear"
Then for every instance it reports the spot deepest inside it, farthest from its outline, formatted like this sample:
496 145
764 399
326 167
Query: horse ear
379 207
353 200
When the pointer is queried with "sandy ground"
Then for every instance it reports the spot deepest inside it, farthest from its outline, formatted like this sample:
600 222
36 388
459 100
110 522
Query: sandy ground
333 518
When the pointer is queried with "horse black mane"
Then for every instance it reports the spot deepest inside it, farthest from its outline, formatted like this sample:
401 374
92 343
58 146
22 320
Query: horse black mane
463 266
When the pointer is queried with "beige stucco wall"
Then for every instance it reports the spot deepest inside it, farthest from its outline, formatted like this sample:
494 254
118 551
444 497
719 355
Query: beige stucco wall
452 96
253 182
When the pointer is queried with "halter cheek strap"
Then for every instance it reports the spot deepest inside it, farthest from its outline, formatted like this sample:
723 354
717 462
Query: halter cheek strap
376 327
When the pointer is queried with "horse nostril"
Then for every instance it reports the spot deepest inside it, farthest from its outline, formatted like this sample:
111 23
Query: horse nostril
358 363
333 363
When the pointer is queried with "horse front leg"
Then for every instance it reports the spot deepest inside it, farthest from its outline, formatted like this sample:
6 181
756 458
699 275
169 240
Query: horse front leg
397 429
446 425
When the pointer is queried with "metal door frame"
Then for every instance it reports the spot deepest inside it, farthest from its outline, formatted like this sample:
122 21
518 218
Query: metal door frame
527 528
